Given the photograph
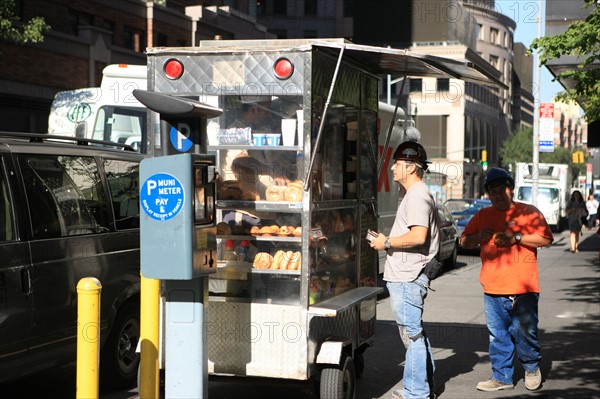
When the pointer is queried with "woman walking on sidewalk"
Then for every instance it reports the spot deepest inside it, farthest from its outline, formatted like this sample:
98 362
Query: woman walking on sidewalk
575 212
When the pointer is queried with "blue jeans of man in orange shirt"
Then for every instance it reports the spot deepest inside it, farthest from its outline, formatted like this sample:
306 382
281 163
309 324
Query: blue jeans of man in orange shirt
407 301
512 322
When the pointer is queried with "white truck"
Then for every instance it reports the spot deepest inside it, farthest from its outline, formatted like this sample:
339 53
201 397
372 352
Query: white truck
109 112
554 182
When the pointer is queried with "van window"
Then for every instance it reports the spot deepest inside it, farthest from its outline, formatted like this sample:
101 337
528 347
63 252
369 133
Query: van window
123 125
7 221
123 180
64 194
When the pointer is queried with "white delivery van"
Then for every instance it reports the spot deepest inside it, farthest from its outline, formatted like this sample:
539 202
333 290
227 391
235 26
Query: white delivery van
109 112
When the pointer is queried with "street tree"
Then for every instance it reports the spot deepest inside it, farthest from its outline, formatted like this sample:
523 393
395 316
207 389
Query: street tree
14 30
518 147
581 39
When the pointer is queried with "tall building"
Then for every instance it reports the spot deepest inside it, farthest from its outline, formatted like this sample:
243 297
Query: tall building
85 36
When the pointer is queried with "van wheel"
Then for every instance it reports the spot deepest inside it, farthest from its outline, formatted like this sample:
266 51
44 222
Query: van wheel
339 383
451 261
119 361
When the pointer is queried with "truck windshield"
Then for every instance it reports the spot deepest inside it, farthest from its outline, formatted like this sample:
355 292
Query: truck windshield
546 195
124 125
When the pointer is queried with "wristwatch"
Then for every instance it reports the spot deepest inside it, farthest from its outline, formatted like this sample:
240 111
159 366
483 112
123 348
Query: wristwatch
518 237
387 244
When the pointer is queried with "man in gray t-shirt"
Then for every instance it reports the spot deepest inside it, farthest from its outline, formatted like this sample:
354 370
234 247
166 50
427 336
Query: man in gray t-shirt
413 241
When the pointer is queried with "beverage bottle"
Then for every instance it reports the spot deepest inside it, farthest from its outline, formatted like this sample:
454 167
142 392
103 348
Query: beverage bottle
230 250
243 251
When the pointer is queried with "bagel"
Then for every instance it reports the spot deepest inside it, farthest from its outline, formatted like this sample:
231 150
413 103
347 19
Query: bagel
293 193
275 193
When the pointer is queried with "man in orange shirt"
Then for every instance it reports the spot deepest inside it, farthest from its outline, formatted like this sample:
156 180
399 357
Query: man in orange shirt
509 234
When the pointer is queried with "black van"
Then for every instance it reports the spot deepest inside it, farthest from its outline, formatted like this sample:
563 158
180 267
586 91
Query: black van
69 209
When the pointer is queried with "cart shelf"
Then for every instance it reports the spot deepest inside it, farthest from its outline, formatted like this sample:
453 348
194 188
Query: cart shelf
246 267
255 147
267 206
260 238
332 306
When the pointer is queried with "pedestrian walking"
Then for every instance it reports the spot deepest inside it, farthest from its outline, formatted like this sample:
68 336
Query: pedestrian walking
412 243
509 234
576 211
592 207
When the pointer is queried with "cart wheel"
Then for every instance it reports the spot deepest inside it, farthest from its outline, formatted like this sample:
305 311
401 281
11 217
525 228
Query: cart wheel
339 383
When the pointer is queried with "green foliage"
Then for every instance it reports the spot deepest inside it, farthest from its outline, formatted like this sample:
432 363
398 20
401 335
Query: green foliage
12 29
582 39
518 147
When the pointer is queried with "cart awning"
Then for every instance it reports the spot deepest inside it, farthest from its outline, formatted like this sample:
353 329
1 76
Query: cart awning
397 62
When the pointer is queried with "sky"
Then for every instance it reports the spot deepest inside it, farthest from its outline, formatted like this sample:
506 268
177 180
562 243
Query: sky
525 14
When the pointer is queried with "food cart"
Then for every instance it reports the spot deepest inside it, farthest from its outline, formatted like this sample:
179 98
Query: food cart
294 295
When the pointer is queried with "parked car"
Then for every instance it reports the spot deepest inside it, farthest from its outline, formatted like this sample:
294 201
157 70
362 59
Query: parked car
449 237
69 209
463 210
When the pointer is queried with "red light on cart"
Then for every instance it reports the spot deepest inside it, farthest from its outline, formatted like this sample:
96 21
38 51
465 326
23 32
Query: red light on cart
173 69
283 68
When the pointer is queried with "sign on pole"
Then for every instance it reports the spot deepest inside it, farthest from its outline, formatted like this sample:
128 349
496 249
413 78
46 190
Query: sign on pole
547 127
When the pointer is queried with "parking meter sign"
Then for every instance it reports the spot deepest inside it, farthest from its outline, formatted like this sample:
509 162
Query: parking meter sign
180 137
162 196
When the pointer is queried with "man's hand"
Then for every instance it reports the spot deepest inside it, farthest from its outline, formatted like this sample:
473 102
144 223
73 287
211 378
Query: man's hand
474 240
504 239
379 242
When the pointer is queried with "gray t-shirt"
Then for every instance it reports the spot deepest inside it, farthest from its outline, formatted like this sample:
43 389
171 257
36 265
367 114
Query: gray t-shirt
416 209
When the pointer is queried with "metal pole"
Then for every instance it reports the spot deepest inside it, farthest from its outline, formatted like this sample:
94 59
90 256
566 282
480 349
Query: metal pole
149 336
149 22
88 338
536 113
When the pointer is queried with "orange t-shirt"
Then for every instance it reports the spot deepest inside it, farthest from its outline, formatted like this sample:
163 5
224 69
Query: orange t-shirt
509 270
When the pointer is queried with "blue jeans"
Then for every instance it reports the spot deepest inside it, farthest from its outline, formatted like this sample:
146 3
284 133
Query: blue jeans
509 327
407 304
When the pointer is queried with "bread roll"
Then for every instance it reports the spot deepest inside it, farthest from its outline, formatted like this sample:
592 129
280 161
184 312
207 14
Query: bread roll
263 260
223 228
270 230
289 255
298 231
284 231
296 261
255 230
277 260
250 196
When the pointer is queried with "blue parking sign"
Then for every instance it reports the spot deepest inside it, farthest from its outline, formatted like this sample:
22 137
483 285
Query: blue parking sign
162 196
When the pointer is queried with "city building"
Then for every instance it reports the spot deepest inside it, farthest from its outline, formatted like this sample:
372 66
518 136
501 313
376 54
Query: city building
85 36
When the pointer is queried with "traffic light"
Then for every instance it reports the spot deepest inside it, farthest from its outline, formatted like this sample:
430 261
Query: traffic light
484 163
578 157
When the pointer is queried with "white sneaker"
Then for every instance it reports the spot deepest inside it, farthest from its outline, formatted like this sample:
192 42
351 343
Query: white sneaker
533 379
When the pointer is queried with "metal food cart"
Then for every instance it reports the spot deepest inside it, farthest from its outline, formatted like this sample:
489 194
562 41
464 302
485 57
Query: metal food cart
294 295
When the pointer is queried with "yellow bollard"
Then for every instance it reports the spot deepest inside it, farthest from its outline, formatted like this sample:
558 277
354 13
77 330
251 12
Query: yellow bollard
88 337
149 336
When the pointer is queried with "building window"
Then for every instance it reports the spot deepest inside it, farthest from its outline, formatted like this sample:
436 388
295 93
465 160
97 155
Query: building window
310 34
133 39
279 7
443 84
161 40
310 7
77 19
494 35
480 32
494 61
416 85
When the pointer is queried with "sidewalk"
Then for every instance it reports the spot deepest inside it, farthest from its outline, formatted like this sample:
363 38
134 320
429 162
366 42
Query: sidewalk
455 322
